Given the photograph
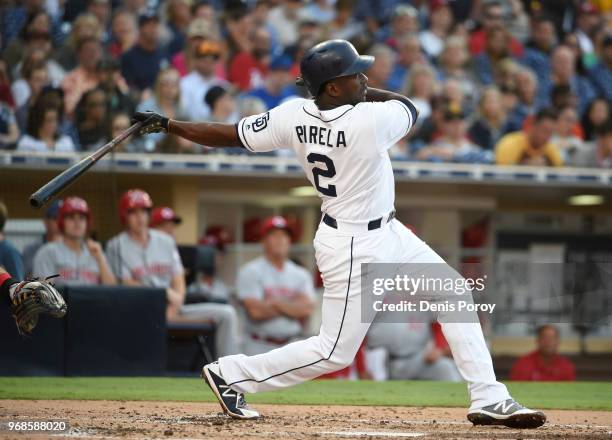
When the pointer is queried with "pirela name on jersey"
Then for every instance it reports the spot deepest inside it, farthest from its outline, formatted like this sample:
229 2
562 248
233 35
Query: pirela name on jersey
311 134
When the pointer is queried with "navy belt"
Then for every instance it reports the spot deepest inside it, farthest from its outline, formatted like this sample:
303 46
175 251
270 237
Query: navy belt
372 224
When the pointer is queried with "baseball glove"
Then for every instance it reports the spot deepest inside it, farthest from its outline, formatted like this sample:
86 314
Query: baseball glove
30 298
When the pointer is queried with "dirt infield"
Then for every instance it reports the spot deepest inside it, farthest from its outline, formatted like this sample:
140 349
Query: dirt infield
166 420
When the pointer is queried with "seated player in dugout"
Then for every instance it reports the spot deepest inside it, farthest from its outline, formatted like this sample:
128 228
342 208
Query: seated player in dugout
77 259
341 137
140 256
277 294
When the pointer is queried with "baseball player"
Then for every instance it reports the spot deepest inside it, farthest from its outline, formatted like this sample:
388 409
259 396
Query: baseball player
277 294
77 259
341 138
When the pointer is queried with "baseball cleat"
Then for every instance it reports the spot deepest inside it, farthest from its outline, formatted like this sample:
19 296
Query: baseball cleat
231 401
508 413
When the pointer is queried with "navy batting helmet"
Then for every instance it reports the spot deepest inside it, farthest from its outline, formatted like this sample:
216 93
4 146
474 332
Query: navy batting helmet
328 60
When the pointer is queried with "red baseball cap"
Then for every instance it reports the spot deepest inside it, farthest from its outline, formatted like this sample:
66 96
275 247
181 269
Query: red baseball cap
164 214
276 222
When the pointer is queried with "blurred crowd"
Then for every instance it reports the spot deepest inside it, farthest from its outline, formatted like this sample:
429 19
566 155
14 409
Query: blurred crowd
508 82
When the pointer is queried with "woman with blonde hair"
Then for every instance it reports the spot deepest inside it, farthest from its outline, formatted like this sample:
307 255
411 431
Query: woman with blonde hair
85 26
486 130
165 100
421 85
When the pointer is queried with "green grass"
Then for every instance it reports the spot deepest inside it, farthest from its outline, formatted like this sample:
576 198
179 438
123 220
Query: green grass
577 395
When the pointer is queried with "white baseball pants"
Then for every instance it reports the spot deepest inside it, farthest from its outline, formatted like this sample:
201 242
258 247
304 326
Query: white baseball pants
339 255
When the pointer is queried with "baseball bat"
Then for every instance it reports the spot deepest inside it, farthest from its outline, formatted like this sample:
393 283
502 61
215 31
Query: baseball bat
63 180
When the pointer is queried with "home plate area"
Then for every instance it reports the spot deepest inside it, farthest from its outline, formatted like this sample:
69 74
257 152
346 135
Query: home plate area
166 420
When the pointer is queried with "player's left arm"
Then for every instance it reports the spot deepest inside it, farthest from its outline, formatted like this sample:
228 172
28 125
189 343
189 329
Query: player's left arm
379 95
211 134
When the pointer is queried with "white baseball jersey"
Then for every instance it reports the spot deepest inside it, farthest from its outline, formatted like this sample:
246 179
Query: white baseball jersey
344 154
260 279
73 269
343 150
154 265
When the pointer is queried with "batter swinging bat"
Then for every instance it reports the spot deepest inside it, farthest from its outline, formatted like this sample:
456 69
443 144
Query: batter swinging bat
61 182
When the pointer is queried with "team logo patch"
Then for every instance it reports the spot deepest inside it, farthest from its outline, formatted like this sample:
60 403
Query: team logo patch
261 123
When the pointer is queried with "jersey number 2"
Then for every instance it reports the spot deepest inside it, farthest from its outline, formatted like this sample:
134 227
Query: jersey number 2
329 171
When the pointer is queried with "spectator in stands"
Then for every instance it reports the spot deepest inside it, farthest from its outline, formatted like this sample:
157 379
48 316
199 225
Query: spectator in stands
178 13
10 258
595 116
115 87
452 66
492 16
35 33
440 24
166 100
563 73
35 77
454 145
124 32
277 295
85 76
421 86
409 54
540 47
344 25
497 50
222 105
601 74
587 22
278 85
567 135
92 119
77 259
140 256
194 86
52 233
532 146
413 351
526 85
198 32
545 363
119 123
404 22
101 9
141 64
380 71
431 127
599 152
42 132
486 130
85 26
248 68
164 219
9 131
284 20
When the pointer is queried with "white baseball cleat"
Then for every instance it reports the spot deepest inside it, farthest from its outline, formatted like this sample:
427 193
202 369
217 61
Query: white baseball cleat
231 401
508 413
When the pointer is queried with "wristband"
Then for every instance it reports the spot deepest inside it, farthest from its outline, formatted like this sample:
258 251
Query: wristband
6 281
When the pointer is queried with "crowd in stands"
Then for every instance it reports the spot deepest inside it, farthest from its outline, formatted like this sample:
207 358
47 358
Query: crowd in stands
507 82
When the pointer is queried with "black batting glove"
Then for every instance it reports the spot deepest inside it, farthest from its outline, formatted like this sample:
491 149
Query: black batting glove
151 122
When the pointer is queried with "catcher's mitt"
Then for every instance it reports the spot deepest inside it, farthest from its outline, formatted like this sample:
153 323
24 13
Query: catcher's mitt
30 298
